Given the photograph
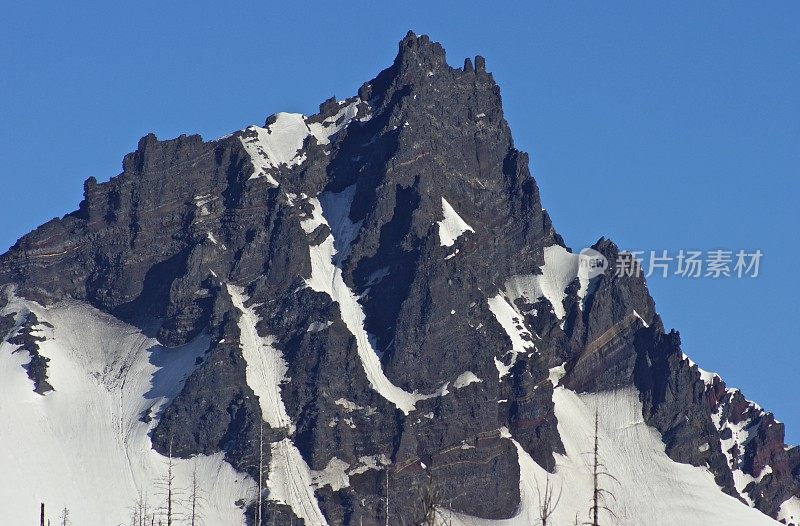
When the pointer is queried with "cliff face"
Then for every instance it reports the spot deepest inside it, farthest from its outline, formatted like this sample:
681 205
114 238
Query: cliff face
383 290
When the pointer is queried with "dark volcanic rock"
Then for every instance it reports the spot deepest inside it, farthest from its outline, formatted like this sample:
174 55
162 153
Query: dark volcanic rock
28 342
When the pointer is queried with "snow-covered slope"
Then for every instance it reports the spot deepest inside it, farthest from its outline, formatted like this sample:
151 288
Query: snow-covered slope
266 368
108 375
279 142
560 268
649 488
88 438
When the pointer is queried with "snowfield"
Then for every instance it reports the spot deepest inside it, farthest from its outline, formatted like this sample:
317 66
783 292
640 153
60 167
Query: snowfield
111 382
278 144
88 438
560 268
85 446
650 489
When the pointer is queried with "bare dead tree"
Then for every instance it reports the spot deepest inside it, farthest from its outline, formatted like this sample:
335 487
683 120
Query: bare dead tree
387 496
64 518
136 519
254 506
433 511
429 499
548 501
170 482
169 491
260 472
140 515
274 513
148 515
195 499
598 470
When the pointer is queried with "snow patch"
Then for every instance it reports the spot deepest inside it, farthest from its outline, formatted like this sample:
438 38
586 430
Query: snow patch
334 475
790 511
736 443
644 323
266 368
275 145
201 202
89 432
557 373
291 482
514 326
370 462
336 209
452 226
279 143
348 405
465 378
376 277
318 326
323 131
707 377
559 270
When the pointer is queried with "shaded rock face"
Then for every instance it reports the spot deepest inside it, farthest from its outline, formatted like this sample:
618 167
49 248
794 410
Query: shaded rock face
187 218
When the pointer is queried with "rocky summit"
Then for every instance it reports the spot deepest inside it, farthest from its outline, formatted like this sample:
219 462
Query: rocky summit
361 317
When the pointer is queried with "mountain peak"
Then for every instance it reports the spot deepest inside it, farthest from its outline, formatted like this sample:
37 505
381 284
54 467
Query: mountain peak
370 295
420 52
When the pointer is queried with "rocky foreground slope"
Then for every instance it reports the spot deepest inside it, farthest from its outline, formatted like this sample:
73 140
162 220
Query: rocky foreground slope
379 285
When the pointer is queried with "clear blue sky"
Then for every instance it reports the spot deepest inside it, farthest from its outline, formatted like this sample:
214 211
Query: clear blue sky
660 125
